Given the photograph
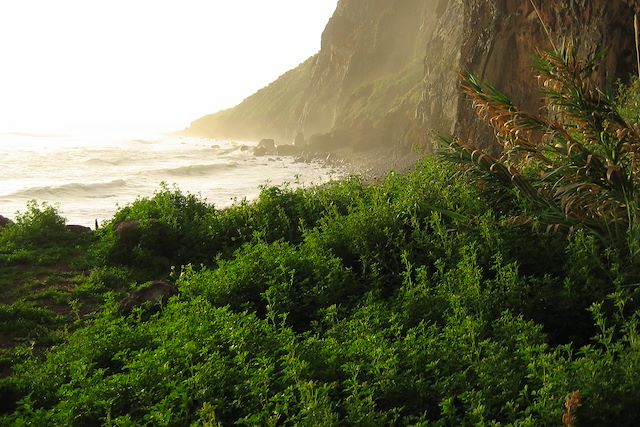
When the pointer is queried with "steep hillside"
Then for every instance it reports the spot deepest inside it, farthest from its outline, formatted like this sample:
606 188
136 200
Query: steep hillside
361 89
273 110
368 76
386 74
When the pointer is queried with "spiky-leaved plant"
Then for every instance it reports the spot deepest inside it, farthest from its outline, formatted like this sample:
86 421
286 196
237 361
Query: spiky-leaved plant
576 165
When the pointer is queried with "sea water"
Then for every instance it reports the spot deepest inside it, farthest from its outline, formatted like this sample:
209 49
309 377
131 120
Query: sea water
87 177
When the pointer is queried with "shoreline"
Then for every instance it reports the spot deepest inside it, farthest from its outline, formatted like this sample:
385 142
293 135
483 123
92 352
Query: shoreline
218 171
373 165
370 165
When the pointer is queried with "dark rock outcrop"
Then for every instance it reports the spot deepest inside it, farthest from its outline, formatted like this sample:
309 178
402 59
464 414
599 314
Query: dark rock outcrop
299 140
154 294
78 229
268 144
4 221
362 88
501 36
128 232
265 147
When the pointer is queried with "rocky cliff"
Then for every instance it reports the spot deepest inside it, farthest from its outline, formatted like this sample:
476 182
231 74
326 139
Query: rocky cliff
367 80
501 36
362 89
386 74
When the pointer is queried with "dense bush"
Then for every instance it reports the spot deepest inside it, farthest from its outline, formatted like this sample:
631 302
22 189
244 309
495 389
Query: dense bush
276 279
575 167
170 225
405 302
38 237
182 228
39 226
26 321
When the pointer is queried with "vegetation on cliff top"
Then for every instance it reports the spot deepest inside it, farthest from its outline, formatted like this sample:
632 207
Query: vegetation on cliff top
432 298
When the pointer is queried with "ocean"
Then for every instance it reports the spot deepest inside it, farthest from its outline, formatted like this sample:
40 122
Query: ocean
87 177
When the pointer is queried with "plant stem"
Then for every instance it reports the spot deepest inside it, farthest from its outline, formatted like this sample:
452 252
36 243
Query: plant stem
544 26
635 27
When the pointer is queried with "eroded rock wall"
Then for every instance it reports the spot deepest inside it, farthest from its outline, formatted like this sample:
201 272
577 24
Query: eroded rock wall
362 89
501 37
368 78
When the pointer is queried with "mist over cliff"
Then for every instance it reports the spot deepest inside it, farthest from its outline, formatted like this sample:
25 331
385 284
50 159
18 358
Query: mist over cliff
386 75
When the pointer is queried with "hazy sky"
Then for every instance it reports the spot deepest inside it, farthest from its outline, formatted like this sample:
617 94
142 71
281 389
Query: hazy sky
144 64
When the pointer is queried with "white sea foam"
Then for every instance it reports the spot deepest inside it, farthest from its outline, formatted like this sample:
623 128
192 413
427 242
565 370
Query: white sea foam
88 176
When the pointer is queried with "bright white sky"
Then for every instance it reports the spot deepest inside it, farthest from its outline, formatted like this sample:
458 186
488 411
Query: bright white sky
90 65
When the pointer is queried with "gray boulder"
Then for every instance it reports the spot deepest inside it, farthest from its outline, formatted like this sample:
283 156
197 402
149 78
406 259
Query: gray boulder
155 294
78 229
265 147
269 144
128 232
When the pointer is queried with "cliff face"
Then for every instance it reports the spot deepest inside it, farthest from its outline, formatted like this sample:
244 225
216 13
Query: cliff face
386 74
368 77
363 87
501 36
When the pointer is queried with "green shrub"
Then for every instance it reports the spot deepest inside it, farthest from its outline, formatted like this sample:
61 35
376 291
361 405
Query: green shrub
275 279
576 169
22 320
39 237
173 226
407 302
224 367
38 226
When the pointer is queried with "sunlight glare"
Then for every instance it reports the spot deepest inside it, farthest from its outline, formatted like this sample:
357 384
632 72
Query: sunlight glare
144 64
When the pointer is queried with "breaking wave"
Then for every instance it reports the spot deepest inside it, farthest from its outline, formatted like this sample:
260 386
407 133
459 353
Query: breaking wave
196 170
97 190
